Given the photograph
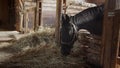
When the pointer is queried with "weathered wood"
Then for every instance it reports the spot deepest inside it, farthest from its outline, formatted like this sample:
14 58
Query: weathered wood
21 15
38 14
4 16
58 14
75 8
115 45
26 22
110 36
6 36
96 1
6 39
24 15
117 4
20 26
118 49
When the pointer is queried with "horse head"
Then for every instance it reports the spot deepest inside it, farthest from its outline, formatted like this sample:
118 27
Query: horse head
68 35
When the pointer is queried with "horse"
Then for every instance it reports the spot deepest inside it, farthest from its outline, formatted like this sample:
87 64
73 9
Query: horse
90 19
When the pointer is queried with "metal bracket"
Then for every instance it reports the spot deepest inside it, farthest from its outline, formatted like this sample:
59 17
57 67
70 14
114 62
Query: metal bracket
111 14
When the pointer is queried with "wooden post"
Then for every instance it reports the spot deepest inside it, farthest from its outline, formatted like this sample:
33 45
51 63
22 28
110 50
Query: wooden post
18 15
38 14
110 35
58 14
21 14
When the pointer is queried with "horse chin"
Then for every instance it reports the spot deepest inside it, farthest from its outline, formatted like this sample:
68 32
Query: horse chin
66 50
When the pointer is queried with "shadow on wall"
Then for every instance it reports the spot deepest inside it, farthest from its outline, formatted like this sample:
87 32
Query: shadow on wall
0 23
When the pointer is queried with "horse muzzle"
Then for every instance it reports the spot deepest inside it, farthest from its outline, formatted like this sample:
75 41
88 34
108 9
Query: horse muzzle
66 49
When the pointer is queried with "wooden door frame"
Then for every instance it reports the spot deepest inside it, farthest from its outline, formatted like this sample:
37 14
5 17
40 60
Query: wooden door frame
110 36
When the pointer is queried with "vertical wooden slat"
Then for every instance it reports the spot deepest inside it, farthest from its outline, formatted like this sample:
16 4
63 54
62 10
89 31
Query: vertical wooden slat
117 4
21 15
118 49
12 14
38 13
20 12
114 51
58 14
110 36
26 22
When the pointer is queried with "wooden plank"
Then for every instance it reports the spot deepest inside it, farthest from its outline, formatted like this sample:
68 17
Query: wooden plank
110 36
58 17
117 4
21 15
27 16
118 49
8 33
115 46
38 14
6 39
6 36
26 22
98 2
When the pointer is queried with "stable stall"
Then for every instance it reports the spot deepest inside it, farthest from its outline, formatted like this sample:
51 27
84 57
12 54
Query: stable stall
110 40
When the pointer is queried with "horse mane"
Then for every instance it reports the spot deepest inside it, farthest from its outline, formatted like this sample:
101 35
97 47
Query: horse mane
90 14
90 19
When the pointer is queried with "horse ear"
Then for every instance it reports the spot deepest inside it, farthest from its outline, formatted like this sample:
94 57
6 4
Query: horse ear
65 18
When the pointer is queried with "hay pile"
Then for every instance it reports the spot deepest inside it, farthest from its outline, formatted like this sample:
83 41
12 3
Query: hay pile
90 46
39 50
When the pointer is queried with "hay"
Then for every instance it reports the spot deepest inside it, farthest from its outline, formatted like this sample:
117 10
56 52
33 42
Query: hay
90 46
39 50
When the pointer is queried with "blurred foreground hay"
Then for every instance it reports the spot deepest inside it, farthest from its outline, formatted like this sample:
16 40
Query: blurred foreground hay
39 50
91 46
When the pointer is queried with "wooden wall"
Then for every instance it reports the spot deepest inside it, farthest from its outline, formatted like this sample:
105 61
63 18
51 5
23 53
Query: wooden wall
4 16
96 1
110 34
48 12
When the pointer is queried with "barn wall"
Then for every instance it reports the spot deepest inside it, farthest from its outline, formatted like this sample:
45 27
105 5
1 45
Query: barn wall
117 4
7 15
96 1
4 16
48 12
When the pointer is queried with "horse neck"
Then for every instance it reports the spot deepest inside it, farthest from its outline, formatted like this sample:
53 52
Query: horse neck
87 16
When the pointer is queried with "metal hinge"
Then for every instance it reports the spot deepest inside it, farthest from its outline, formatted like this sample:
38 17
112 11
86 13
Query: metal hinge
111 14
